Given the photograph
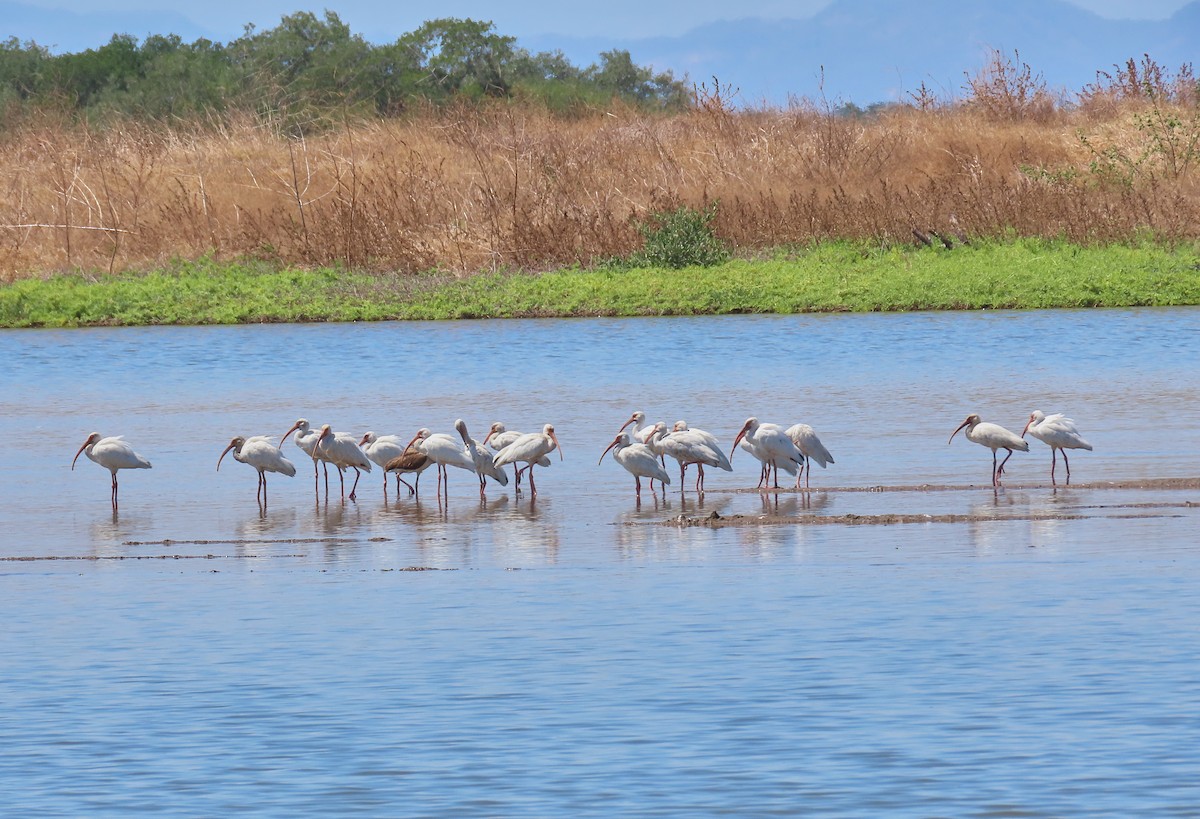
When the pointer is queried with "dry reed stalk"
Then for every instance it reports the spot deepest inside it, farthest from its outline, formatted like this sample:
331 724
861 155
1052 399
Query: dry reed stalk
466 188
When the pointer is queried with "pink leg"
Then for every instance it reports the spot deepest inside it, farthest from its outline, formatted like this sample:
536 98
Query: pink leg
1000 471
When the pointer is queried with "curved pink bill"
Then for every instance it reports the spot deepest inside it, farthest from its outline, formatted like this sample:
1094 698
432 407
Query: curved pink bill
223 454
616 441
960 426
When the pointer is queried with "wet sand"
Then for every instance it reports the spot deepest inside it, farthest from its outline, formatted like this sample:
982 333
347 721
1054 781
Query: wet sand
1180 508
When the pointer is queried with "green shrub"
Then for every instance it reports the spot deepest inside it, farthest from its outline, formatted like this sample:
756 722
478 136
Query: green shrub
680 238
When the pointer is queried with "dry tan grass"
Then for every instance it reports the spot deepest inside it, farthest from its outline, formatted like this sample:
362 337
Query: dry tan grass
470 189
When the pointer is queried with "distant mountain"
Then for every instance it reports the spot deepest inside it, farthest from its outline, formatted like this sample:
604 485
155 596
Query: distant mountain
883 50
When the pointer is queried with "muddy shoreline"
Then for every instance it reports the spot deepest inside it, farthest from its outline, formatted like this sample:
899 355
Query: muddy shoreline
1180 508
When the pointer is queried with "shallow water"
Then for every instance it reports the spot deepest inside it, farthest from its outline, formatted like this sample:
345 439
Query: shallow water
194 655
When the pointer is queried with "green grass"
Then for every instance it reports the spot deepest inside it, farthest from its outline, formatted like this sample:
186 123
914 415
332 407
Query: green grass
1024 274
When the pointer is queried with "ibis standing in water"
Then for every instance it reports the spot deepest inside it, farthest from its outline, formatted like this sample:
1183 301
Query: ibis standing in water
531 448
994 437
412 462
810 446
341 450
1057 432
639 434
691 446
112 454
306 439
771 445
639 461
484 467
382 449
499 437
258 452
444 451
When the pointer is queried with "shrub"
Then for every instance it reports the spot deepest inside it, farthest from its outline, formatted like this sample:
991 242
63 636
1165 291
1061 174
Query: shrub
680 238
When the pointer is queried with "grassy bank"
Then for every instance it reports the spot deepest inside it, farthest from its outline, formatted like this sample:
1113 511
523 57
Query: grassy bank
1022 274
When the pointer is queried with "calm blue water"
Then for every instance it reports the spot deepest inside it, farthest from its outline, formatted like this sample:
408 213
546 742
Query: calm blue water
569 656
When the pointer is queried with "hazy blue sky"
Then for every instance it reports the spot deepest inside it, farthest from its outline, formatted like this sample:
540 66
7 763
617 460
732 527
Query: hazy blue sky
384 20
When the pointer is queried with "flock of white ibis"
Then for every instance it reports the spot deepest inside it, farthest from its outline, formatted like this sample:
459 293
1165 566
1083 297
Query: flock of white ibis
641 450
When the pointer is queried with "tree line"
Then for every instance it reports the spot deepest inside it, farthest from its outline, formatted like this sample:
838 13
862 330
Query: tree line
311 69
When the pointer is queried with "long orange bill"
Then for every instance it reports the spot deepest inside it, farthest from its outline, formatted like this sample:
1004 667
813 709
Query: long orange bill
554 438
286 434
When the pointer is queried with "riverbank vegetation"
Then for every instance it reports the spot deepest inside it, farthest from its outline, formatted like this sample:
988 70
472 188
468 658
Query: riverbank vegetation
831 277
464 195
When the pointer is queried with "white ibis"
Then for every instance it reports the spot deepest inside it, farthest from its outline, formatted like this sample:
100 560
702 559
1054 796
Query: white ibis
112 454
645 435
639 434
749 445
994 437
444 451
412 462
341 449
306 439
810 446
770 444
1059 433
692 446
482 459
498 438
639 461
381 449
531 448
260 453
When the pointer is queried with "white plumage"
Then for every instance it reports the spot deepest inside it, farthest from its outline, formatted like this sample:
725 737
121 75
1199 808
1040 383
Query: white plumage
1059 433
639 434
260 452
638 460
112 453
481 459
499 437
994 437
306 440
382 449
531 448
341 449
810 446
692 446
444 451
770 444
